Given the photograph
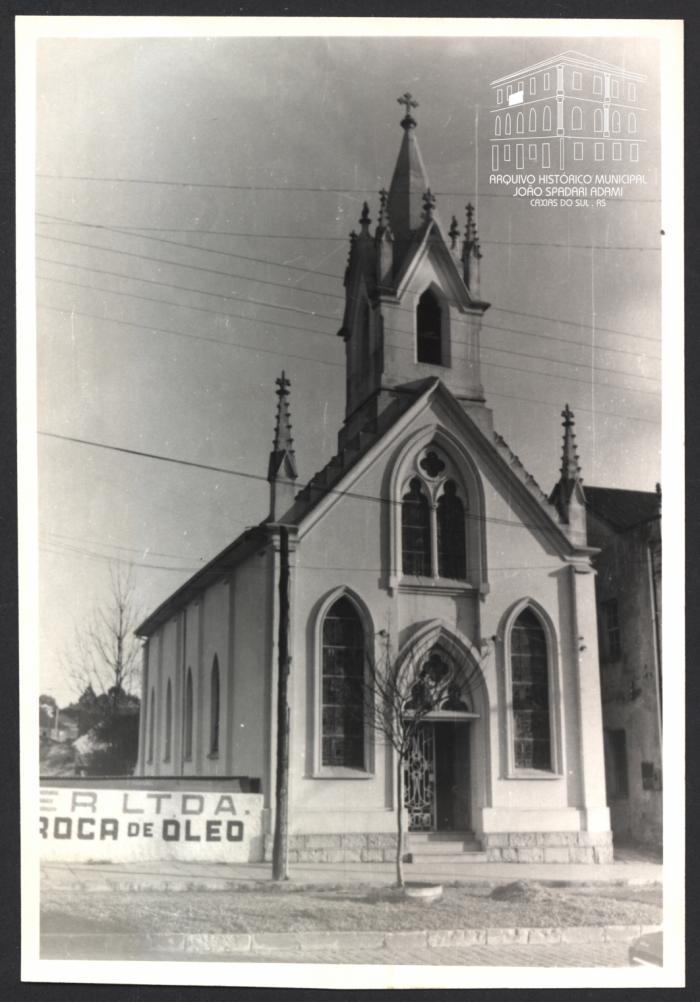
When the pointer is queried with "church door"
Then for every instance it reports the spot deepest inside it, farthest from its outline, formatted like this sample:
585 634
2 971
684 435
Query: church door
436 778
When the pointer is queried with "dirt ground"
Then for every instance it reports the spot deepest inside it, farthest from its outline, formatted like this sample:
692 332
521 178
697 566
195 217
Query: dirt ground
293 908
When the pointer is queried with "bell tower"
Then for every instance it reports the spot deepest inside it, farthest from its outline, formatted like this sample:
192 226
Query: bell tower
413 306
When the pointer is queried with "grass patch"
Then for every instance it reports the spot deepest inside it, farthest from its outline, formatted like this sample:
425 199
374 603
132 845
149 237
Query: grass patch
294 908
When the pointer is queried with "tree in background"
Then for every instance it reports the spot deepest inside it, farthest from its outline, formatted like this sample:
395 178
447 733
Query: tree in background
104 655
103 665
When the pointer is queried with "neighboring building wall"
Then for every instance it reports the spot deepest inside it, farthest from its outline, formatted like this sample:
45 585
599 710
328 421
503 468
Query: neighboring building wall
629 575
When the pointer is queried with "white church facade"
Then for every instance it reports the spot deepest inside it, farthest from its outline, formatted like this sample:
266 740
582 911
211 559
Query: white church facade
423 545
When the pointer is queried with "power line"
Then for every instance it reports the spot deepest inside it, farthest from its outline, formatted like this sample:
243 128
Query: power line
138 230
356 495
194 337
310 271
144 550
507 396
283 187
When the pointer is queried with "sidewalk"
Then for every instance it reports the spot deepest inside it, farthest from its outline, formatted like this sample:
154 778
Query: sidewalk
178 876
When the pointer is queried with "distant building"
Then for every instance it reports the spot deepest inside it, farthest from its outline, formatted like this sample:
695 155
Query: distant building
626 525
565 113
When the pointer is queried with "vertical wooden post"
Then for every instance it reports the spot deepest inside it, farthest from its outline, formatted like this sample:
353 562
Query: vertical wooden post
280 844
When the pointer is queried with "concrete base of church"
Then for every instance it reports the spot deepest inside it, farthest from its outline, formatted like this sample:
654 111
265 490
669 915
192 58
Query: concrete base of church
499 847
548 847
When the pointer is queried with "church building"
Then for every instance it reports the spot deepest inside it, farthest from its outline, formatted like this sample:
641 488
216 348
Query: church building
423 546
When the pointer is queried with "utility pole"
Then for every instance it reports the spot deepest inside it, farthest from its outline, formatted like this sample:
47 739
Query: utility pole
280 848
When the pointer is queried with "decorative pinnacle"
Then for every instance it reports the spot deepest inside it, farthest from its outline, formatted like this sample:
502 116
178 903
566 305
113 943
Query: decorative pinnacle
383 198
570 469
471 229
364 219
408 121
428 205
453 233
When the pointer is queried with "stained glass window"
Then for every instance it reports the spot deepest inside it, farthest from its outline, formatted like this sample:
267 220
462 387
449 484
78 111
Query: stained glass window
530 682
343 696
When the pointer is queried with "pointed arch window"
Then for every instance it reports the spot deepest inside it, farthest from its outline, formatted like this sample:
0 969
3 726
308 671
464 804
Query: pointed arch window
151 725
429 329
188 716
167 745
497 129
598 120
520 122
342 699
508 124
415 531
451 534
215 708
547 119
532 738
532 122
631 122
576 118
616 121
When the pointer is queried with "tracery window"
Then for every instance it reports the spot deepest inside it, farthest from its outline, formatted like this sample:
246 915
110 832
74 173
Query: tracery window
343 666
530 693
433 520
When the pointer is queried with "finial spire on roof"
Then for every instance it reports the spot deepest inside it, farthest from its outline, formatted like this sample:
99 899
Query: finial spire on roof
282 467
570 469
383 196
469 232
453 233
408 121
364 219
428 205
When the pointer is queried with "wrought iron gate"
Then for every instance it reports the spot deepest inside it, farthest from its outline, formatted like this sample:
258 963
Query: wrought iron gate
419 780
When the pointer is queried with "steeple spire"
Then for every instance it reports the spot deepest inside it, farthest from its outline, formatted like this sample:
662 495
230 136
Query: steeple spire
568 495
409 181
282 467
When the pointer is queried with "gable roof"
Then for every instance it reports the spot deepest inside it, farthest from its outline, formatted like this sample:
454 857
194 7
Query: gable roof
335 479
620 508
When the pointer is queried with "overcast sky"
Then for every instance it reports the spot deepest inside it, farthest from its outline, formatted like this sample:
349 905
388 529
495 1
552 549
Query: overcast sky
152 341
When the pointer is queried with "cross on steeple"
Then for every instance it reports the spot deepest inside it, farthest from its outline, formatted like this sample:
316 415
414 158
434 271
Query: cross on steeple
408 121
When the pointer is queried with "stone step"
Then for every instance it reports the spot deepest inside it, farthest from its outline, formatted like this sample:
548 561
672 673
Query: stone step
447 860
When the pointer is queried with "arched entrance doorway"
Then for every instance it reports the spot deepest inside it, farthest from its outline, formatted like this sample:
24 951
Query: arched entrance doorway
437 778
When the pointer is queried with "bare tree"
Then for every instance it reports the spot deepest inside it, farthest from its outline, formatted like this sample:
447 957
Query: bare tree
398 699
105 654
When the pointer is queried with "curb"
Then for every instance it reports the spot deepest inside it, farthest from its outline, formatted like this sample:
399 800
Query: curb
120 945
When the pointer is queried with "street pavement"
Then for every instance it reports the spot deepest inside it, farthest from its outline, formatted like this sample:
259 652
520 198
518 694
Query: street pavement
511 955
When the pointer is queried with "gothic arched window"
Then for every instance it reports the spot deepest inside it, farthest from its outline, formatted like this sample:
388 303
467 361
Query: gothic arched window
631 122
497 130
215 700
530 693
532 120
342 714
616 121
576 118
598 120
429 329
168 722
415 531
547 119
188 716
451 541
520 122
151 725
508 124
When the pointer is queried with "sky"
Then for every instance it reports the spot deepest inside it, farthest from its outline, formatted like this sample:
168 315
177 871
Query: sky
194 199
